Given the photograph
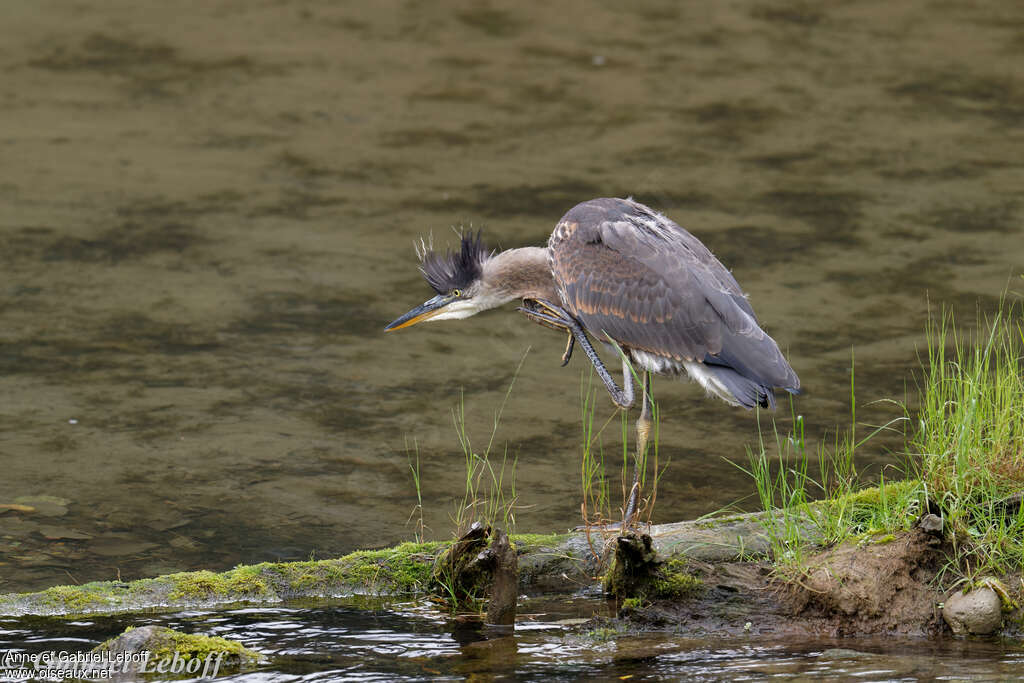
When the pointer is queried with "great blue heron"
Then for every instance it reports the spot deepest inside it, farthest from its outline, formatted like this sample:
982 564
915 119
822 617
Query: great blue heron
635 280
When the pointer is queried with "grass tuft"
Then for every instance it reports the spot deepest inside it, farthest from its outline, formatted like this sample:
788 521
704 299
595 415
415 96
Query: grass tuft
596 505
490 488
969 440
964 457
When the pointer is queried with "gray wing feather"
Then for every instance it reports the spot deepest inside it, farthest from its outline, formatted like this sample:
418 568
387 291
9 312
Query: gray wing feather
624 270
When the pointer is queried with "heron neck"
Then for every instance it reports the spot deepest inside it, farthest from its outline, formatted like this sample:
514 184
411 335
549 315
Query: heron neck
521 274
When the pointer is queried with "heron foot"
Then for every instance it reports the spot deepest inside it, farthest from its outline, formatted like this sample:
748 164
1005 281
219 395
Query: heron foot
549 315
569 344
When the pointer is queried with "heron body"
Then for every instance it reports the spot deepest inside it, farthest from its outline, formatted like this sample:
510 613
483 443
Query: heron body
629 273
633 279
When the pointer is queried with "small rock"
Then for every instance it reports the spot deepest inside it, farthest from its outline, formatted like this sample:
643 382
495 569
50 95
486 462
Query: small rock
162 650
978 612
117 545
931 524
171 521
17 508
35 558
47 506
183 543
131 641
121 520
56 533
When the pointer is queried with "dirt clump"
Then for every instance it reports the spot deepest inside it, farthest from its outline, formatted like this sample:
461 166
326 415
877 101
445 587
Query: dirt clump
878 585
881 584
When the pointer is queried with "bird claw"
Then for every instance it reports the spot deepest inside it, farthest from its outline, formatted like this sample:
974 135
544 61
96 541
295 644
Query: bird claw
541 317
547 315
568 349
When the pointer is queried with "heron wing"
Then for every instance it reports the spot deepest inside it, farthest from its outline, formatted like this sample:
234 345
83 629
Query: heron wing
628 272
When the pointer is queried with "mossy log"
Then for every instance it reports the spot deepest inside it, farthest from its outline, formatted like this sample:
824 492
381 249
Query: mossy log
546 564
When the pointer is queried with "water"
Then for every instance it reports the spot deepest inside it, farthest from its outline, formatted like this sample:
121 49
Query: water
208 218
413 642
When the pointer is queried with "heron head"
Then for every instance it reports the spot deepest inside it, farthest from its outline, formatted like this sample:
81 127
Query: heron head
457 277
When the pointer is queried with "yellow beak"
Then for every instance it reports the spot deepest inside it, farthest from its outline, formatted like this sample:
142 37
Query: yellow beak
424 312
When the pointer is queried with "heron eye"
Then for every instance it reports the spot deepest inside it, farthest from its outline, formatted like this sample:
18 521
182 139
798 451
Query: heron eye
456 292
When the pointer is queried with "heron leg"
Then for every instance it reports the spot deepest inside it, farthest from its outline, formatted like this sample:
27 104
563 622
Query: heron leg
643 431
549 315
624 397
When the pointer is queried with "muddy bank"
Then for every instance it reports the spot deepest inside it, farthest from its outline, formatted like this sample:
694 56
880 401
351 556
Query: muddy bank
883 585
889 584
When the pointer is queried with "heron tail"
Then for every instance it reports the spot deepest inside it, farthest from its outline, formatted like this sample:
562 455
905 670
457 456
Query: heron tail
730 386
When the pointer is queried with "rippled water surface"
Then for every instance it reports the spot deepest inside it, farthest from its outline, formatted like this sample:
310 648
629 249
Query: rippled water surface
414 642
208 217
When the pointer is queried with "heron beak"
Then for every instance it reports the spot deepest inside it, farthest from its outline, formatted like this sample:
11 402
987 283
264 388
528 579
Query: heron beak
417 315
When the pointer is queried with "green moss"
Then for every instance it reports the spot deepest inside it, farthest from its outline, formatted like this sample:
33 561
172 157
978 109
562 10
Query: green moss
403 569
195 646
200 585
307 577
675 581
632 603
603 634
647 578
243 582
538 540
246 581
73 598
165 643
458 578
873 496
716 522
999 588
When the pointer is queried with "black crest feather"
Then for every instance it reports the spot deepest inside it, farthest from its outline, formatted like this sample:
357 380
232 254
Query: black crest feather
455 269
